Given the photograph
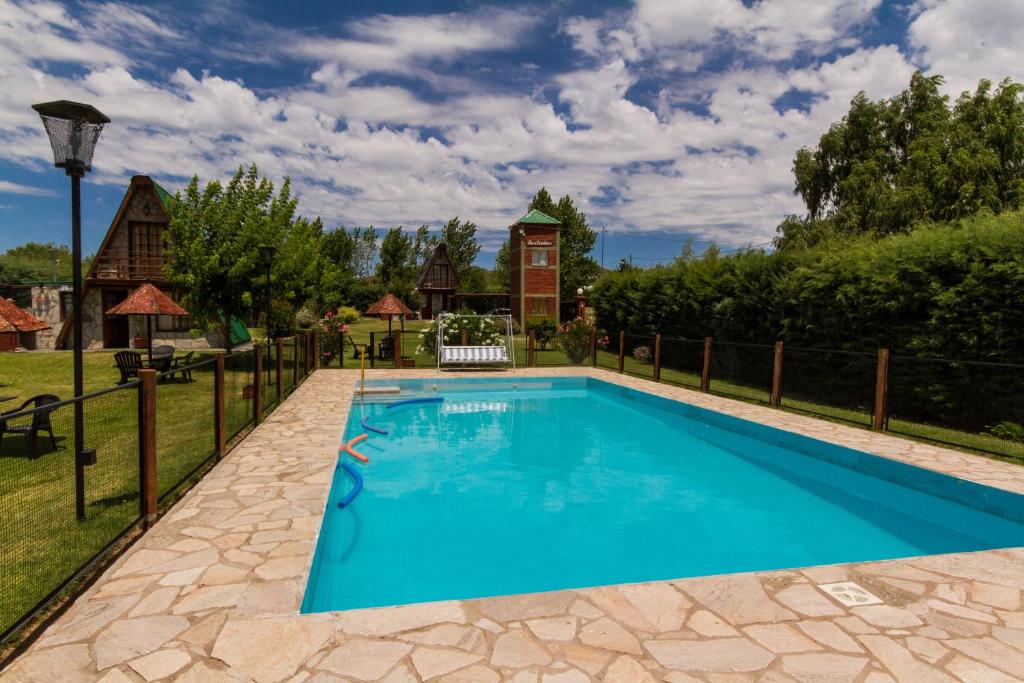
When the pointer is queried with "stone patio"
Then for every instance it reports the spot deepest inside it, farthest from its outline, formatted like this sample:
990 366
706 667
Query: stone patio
212 592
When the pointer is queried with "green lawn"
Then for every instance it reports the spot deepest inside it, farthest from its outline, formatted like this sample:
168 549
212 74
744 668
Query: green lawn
41 541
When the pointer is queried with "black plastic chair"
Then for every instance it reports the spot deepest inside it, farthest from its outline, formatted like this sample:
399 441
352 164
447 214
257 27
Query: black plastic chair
386 348
38 422
129 363
180 364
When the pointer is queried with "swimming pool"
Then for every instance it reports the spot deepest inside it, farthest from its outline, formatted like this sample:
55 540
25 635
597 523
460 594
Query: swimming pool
531 484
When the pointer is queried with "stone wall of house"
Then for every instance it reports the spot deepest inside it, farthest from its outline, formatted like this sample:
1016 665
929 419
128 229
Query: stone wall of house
46 306
213 339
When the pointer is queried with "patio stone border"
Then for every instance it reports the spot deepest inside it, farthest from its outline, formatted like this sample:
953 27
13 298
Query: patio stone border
212 591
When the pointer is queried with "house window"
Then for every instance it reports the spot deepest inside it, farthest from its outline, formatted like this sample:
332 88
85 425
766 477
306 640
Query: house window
173 323
539 259
66 305
539 307
440 275
146 248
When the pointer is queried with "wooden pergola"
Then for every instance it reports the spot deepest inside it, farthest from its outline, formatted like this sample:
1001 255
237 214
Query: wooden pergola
390 306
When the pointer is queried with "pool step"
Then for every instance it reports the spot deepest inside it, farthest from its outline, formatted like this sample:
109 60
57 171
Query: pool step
374 391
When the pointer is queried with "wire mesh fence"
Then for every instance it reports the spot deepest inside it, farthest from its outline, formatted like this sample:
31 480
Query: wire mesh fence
268 379
43 542
185 438
969 404
239 369
638 355
829 383
682 361
742 371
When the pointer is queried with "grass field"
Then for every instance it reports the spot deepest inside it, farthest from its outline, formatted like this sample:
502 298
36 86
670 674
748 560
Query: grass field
41 541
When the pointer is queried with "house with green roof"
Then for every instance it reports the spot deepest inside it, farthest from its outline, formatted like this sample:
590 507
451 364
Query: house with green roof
534 258
131 254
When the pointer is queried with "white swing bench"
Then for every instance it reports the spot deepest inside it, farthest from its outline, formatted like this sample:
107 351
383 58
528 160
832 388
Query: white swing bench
503 354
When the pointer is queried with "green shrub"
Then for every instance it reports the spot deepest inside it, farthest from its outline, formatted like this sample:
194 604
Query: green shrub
543 332
347 314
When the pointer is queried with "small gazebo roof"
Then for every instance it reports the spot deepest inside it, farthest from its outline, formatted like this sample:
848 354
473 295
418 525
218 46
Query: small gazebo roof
147 300
14 319
389 305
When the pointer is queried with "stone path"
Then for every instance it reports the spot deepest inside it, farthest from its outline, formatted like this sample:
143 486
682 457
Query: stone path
212 593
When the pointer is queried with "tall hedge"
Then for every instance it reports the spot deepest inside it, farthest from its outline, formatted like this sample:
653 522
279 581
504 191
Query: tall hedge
950 290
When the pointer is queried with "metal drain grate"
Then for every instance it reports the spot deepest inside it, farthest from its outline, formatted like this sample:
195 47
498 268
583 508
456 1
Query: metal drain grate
849 594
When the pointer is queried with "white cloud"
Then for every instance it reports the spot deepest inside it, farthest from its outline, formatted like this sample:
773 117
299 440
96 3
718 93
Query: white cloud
966 40
17 188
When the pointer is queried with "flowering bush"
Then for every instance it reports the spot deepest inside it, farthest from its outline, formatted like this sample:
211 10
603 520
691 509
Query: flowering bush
642 354
333 336
543 331
574 338
479 332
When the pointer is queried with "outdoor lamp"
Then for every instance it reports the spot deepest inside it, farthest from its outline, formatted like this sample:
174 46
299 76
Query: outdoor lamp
267 255
74 129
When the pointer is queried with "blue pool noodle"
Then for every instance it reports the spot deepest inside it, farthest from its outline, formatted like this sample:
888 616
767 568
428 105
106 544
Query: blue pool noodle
371 428
351 495
408 401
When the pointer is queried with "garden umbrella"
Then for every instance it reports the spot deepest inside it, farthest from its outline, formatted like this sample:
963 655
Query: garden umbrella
390 306
147 300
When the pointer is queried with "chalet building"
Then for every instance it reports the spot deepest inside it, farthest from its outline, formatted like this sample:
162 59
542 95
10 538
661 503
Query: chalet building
438 282
534 258
18 328
132 253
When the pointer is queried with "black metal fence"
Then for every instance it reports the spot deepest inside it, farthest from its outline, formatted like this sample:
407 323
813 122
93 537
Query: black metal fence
198 412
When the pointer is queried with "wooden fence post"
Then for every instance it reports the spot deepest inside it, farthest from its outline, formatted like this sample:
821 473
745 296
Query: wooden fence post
372 347
257 393
316 349
531 349
398 349
705 375
881 416
622 351
657 357
220 430
593 349
775 398
295 360
147 446
280 370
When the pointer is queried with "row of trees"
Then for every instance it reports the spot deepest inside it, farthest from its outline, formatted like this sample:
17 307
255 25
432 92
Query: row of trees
216 231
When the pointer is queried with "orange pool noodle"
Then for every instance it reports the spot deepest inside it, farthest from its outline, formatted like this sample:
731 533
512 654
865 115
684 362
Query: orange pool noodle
354 453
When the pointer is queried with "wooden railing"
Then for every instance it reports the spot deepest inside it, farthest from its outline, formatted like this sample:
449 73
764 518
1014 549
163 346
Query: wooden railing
125 265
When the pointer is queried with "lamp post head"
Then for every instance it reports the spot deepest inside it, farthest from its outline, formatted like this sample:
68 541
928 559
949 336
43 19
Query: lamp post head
267 255
73 129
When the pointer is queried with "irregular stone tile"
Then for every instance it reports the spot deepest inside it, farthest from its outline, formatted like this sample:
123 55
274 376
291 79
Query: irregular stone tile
879 677
160 664
553 628
468 638
530 606
739 598
185 577
680 677
516 649
926 648
210 596
808 600
590 659
584 609
900 662
203 633
720 654
823 668
570 676
67 663
131 638
366 660
430 662
663 607
282 568
990 594
143 559
961 612
971 671
987 567
886 616
473 674
780 638
93 616
114 676
385 621
608 635
855 625
222 573
955 625
992 652
157 601
211 672
400 674
707 624
270 649
830 635
188 545
241 557
129 584
199 558
625 669
952 592
1014 637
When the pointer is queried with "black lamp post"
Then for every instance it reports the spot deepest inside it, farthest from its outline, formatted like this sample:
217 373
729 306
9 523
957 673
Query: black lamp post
267 256
74 129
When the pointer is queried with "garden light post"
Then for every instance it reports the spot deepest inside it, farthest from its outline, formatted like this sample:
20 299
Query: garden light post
267 256
74 129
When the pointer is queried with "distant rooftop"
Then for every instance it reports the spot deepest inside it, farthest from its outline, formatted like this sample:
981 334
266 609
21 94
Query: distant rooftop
536 216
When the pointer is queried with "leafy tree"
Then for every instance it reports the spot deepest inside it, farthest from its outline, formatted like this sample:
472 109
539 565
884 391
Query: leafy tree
36 261
365 250
213 250
397 261
576 239
462 245
424 244
503 267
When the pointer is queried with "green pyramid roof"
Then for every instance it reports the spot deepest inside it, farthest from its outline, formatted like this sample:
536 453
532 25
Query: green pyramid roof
162 193
536 216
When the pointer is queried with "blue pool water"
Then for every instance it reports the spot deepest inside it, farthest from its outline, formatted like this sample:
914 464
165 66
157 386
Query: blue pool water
529 484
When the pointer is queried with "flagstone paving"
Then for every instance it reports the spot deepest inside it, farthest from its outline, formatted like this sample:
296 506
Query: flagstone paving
212 592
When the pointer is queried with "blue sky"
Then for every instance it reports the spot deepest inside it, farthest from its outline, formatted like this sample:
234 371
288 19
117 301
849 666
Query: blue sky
666 121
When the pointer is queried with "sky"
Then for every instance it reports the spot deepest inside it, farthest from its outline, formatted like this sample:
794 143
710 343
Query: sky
666 121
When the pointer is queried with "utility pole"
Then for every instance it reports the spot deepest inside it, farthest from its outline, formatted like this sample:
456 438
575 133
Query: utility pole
603 229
